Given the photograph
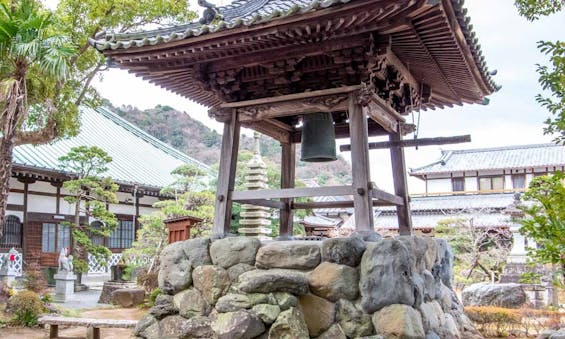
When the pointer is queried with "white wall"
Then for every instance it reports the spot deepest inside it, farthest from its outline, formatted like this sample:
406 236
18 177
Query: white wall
41 204
439 185
16 198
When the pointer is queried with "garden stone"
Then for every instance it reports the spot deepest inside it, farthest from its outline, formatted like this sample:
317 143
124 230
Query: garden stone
343 251
418 247
503 295
321 313
238 269
432 316
449 328
171 326
191 303
290 324
387 277
367 236
266 312
128 297
163 306
262 298
197 328
175 273
300 255
445 261
399 321
560 334
333 282
147 327
197 251
353 321
212 281
233 302
285 300
334 332
430 257
431 285
237 325
230 251
275 280
433 335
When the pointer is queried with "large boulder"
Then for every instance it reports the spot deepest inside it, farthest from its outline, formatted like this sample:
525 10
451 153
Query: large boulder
432 316
334 332
238 269
147 327
353 321
237 325
299 255
399 321
418 247
163 306
178 327
128 297
333 282
212 281
197 251
343 251
503 295
191 303
290 324
275 280
230 251
232 302
266 312
387 276
175 273
285 300
321 313
444 258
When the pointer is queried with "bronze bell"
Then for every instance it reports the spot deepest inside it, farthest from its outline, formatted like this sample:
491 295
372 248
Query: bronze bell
318 138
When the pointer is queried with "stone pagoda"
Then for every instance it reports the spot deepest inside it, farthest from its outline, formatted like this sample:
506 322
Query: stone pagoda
255 219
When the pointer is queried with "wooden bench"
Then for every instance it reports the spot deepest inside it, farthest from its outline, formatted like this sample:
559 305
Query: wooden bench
92 325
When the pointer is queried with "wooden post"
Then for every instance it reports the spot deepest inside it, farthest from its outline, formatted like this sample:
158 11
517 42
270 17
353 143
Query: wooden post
288 166
400 184
53 331
362 199
226 175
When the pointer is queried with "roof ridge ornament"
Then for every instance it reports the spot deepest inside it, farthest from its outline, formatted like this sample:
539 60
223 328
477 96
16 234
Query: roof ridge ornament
210 14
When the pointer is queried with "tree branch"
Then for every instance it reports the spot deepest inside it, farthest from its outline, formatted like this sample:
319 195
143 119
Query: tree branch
43 135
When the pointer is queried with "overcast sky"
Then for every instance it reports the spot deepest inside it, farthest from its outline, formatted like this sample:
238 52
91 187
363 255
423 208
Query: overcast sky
513 117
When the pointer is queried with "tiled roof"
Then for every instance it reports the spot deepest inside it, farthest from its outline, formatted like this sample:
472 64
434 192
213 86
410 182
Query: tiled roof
253 12
450 203
511 157
137 157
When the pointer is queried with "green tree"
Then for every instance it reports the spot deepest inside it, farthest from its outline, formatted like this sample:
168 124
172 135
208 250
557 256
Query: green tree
552 76
34 61
544 220
90 194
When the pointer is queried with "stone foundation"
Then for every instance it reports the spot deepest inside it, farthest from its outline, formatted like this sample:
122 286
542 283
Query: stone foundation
337 288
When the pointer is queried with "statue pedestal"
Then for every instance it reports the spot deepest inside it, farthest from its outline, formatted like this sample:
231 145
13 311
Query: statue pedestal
8 276
64 286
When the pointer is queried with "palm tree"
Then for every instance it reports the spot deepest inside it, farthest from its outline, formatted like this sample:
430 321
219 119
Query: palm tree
34 62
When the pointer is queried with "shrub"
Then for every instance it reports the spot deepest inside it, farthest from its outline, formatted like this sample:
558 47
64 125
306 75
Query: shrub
152 297
147 280
26 306
34 280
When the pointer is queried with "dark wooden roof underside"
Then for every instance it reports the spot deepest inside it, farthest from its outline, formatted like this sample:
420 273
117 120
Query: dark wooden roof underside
261 50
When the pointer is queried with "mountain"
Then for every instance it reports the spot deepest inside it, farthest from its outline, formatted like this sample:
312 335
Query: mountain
192 137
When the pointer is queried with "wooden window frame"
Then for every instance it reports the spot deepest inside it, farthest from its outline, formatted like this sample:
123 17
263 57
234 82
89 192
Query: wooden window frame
56 236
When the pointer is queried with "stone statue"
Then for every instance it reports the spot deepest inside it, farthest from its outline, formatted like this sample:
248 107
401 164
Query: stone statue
210 13
65 263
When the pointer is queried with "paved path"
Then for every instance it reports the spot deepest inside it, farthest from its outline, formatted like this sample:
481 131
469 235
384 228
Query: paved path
88 299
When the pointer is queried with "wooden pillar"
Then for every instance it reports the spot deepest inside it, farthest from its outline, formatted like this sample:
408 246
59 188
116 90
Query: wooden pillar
226 175
362 200
288 166
400 186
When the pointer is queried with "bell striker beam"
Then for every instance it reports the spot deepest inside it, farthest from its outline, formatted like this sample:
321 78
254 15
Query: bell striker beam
288 167
400 184
362 198
226 175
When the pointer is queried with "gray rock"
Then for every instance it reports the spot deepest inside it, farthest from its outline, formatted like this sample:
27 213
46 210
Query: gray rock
197 328
212 281
560 334
285 300
448 328
191 303
266 312
233 302
502 295
175 273
275 280
230 251
171 326
431 254
333 282
290 324
387 276
432 316
262 298
197 251
432 335
237 325
321 313
343 251
444 259
399 321
128 297
367 236
147 327
163 306
418 247
334 332
431 285
299 255
238 269
354 322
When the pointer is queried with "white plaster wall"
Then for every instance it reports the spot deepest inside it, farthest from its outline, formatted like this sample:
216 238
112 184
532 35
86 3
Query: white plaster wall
66 208
15 184
439 185
147 210
19 214
16 198
147 200
471 184
41 204
122 209
42 186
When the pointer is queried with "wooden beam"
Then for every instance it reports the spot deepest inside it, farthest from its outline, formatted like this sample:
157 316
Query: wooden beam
360 165
414 142
226 175
288 170
329 191
380 111
400 185
264 203
389 199
334 204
